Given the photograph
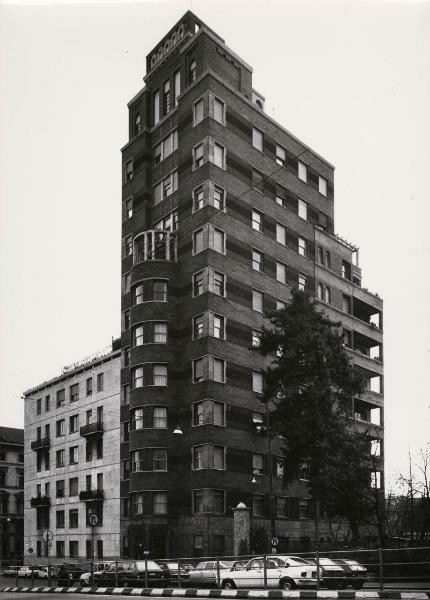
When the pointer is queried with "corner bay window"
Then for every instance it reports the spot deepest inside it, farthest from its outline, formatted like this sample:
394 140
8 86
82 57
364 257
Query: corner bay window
149 459
210 237
208 194
209 150
149 503
149 417
208 280
208 501
207 456
149 374
209 324
208 368
209 412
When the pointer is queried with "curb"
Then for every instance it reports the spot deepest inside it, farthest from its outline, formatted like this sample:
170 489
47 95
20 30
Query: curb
239 594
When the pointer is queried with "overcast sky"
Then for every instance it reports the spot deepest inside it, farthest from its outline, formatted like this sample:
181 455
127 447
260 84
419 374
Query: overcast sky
350 79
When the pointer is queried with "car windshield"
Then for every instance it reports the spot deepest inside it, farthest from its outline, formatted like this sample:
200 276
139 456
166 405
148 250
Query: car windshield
141 565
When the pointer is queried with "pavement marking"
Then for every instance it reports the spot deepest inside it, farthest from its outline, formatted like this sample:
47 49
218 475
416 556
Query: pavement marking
228 593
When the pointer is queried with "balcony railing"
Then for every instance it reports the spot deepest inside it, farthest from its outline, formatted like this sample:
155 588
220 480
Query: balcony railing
41 443
155 244
40 501
91 495
92 429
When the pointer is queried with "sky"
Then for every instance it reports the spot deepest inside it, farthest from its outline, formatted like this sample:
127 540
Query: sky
350 79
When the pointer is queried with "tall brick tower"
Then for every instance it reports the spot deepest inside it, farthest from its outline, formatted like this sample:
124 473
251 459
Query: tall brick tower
224 212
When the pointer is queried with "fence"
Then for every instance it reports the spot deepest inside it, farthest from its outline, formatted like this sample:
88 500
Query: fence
408 568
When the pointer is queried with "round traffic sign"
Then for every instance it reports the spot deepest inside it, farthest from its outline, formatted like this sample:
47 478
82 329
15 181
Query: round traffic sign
274 541
93 519
30 550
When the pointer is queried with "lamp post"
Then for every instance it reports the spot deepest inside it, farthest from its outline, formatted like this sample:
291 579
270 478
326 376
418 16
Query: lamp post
270 473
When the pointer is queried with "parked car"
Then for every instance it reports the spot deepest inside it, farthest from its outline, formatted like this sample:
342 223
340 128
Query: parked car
172 567
68 573
284 574
355 573
85 578
131 573
11 571
205 573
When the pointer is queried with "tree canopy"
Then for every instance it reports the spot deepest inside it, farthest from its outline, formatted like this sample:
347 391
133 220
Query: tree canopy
312 384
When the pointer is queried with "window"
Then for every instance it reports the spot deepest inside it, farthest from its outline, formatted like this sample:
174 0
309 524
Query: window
125 469
159 290
209 368
89 386
198 198
208 236
323 220
258 506
346 269
59 488
281 196
197 156
166 147
281 272
322 185
302 209
74 392
61 398
160 332
257 139
128 171
149 459
375 448
281 157
177 86
60 428
73 518
99 548
209 324
218 197
208 456
257 300
257 464
320 291
99 448
257 221
39 406
166 187
258 181
192 71
257 382
208 280
198 111
255 338
281 234
346 304
126 283
279 467
257 260
74 455
209 412
303 509
151 290
281 305
208 501
216 154
302 171
302 282
148 503
137 124
59 547
327 259
208 194
47 403
100 382
73 423
150 417
156 107
73 486
327 295
320 256
302 246
217 109
166 97
99 481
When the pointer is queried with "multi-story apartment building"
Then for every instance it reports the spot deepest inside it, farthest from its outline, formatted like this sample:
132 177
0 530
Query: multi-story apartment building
11 493
224 212
71 453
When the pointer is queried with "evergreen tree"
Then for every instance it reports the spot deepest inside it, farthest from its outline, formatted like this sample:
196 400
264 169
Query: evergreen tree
312 384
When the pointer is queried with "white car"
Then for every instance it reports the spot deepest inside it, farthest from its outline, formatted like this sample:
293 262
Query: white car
285 575
205 573
85 578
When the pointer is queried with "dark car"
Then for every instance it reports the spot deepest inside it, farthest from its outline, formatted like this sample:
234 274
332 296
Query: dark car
69 573
172 567
355 574
132 573
332 573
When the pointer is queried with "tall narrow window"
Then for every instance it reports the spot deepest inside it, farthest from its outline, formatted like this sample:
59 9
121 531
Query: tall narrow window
302 171
257 139
198 111
303 209
137 124
302 246
257 300
198 156
257 260
166 96
257 221
177 86
258 181
257 382
218 110
129 208
156 107
302 282
280 156
217 154
281 272
322 186
281 234
192 71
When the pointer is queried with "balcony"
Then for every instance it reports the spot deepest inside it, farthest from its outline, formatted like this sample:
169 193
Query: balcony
41 443
92 429
155 244
40 502
91 495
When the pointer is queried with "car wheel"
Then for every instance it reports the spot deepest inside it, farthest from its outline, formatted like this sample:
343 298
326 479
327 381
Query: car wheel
287 584
228 584
358 585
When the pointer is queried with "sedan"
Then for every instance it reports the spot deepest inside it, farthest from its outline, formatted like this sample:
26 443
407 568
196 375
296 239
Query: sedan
206 572
355 574
134 573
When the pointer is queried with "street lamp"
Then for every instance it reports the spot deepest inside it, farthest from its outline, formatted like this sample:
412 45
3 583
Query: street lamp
269 467
178 430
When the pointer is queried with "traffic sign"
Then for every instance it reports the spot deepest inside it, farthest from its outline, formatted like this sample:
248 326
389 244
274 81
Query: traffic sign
93 520
30 550
274 541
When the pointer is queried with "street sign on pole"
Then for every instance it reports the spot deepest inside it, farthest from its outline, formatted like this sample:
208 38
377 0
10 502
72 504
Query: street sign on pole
93 520
274 541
